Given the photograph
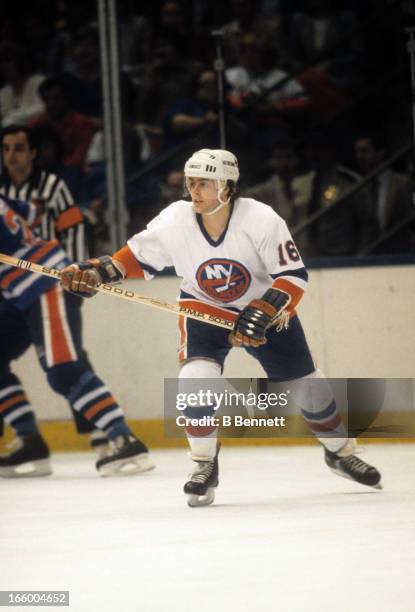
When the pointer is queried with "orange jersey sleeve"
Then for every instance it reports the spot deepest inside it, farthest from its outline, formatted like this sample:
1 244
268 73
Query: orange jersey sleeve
131 265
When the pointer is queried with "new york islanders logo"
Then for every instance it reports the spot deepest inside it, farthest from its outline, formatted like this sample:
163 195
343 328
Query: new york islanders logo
224 280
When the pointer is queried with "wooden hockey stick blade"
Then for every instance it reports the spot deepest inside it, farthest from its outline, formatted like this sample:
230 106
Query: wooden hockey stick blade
124 294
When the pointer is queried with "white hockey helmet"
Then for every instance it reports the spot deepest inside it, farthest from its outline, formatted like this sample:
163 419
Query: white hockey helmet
214 164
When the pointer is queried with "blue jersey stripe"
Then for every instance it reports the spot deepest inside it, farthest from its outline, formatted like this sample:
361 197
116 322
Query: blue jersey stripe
300 273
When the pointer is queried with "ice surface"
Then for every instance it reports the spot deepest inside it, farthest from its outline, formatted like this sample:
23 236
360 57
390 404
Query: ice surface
284 534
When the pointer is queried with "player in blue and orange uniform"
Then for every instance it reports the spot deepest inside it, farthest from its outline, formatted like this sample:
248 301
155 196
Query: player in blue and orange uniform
238 260
59 218
35 311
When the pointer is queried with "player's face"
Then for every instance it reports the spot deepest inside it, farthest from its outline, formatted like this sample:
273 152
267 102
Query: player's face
17 155
204 194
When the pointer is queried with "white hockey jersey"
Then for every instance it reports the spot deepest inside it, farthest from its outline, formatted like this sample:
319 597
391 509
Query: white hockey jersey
255 251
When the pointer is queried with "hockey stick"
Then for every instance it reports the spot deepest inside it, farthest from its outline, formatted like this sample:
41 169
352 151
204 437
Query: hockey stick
125 294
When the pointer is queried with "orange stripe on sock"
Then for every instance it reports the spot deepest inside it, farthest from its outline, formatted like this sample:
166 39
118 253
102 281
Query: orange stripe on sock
93 411
131 265
16 399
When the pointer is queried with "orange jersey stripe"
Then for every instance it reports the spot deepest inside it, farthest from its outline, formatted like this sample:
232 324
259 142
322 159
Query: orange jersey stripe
61 352
69 217
295 292
91 412
131 265
182 339
16 399
44 250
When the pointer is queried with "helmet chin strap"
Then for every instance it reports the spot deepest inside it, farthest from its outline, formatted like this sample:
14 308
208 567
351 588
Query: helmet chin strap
222 203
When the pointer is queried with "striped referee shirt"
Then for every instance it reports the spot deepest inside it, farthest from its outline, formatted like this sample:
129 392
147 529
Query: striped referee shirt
62 219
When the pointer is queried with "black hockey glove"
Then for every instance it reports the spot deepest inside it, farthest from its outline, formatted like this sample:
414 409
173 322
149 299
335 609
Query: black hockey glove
81 278
255 319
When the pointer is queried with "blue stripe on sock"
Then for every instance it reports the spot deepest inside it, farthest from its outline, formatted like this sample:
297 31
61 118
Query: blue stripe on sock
25 425
320 416
197 412
118 427
79 386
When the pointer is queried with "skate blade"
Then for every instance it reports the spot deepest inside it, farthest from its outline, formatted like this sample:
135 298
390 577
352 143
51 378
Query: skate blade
195 501
127 467
31 469
377 486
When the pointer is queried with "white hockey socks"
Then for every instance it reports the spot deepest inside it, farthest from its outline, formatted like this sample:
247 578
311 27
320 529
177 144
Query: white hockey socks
314 397
193 378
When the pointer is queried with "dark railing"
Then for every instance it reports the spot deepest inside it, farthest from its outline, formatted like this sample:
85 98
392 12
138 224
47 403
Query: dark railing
389 233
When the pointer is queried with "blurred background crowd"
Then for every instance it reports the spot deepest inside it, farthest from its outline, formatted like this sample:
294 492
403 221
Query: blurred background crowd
317 107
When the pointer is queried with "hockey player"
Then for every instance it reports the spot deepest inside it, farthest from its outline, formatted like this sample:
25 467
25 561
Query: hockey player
35 310
59 217
262 280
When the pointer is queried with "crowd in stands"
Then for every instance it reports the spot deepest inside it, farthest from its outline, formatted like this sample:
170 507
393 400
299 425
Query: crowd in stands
316 98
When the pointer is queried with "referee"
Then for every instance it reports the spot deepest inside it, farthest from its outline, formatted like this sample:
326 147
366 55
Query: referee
62 219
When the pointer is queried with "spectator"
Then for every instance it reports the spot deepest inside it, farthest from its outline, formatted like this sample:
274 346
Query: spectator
168 78
75 130
286 191
247 18
240 24
172 187
173 21
390 193
348 228
93 195
189 115
206 16
50 158
328 39
59 43
198 114
38 32
135 36
19 99
276 110
84 82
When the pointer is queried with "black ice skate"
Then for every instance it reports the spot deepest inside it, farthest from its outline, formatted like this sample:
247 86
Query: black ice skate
200 489
29 457
128 456
345 464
